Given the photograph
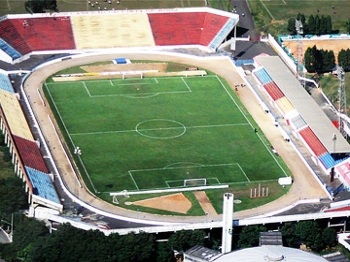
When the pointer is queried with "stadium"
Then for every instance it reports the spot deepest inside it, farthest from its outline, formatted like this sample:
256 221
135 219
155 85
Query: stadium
282 120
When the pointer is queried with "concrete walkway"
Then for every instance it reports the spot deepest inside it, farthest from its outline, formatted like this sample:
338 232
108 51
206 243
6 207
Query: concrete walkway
305 186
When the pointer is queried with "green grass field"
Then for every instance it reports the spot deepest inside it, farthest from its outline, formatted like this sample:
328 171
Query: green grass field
152 133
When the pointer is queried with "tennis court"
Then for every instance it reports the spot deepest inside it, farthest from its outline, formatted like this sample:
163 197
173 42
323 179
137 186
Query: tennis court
154 133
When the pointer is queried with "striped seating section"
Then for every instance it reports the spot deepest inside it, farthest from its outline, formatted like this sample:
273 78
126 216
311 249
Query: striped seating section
5 83
273 90
9 33
312 141
220 37
263 76
165 33
9 50
46 33
285 105
21 36
212 25
30 154
14 115
327 160
298 122
42 185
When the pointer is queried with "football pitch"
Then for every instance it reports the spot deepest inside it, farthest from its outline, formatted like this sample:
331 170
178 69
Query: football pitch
154 133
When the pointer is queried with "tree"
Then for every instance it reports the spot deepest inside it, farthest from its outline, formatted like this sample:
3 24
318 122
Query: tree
185 239
288 235
311 24
291 26
328 60
322 25
329 27
40 6
137 247
12 195
249 237
317 25
348 26
310 233
329 236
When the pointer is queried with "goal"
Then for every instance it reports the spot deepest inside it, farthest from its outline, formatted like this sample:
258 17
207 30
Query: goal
195 182
132 74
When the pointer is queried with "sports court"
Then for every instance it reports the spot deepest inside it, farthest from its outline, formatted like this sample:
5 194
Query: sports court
149 133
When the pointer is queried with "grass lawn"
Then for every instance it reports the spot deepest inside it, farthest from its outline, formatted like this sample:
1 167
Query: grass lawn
152 133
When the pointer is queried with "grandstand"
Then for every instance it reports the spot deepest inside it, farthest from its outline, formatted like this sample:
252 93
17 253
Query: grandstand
91 31
304 117
24 35
26 157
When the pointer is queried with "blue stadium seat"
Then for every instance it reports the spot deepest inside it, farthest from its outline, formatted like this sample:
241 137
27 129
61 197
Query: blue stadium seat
263 76
5 83
42 185
222 34
327 160
9 50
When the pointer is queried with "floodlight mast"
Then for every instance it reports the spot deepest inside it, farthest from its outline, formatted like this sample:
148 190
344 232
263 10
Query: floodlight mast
342 101
300 31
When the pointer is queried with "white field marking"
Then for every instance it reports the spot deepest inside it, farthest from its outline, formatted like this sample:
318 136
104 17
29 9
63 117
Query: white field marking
71 140
138 97
87 90
155 79
172 181
64 151
130 95
162 168
255 181
273 156
186 84
111 82
243 172
267 10
125 80
182 163
133 180
234 101
214 178
132 84
155 129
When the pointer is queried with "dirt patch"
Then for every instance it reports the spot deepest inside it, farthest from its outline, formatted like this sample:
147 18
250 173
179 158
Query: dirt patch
161 67
326 44
175 203
205 203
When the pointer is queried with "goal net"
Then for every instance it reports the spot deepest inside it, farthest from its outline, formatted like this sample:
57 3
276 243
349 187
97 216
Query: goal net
132 74
195 182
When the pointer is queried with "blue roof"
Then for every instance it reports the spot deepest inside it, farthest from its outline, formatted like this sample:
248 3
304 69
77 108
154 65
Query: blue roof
42 185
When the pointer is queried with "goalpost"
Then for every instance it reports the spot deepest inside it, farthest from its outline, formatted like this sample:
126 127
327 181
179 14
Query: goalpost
195 182
132 74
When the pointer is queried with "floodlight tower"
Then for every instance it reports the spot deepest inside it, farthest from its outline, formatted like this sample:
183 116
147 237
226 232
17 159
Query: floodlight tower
342 100
300 31
227 223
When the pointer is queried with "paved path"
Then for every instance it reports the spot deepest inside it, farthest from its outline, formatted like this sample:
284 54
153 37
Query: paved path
305 186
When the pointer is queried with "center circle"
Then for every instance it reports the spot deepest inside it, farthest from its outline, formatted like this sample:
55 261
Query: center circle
160 129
